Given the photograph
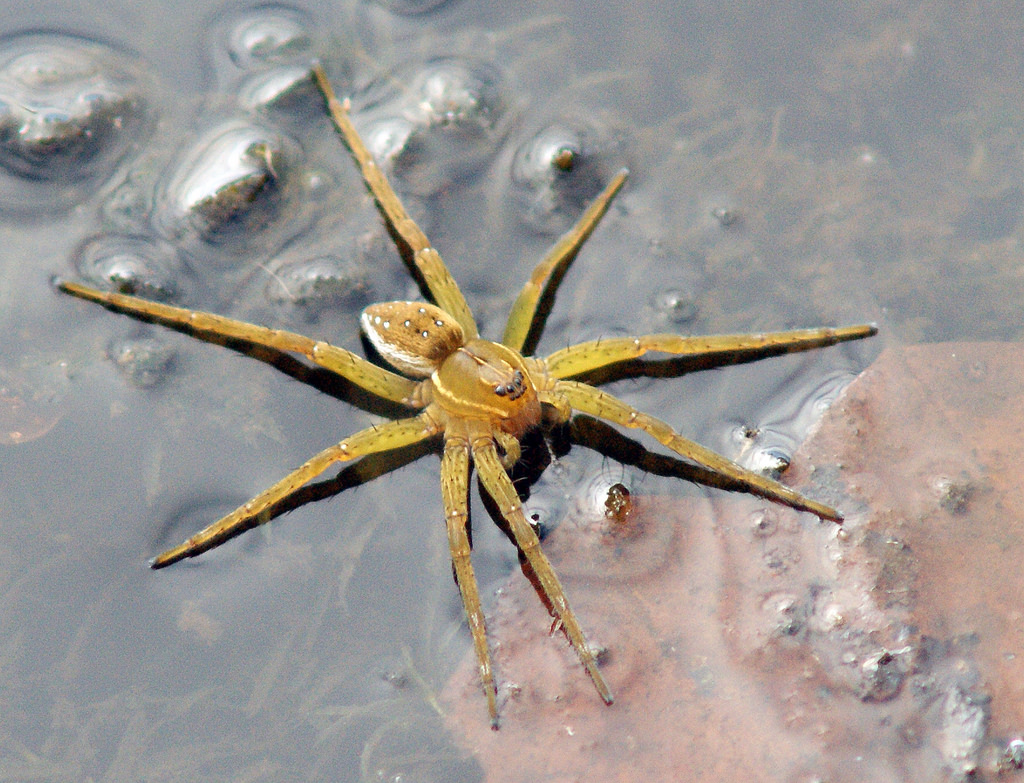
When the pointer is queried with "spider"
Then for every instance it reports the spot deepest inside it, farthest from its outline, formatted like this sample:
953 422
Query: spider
477 396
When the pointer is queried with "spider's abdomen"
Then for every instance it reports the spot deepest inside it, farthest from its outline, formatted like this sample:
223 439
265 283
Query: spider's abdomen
413 337
486 380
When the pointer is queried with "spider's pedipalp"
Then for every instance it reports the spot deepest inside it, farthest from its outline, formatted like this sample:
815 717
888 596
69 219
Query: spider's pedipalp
499 486
454 493
561 410
382 437
591 400
510 445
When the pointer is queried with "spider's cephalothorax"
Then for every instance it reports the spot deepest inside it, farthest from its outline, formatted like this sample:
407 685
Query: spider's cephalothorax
487 381
478 379
480 396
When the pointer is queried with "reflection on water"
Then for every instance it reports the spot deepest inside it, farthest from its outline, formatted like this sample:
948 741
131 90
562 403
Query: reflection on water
788 167
136 265
69 108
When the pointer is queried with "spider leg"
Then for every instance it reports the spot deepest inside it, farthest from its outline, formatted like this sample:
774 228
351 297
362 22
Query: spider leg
439 281
595 354
553 266
382 437
499 487
454 492
348 365
588 399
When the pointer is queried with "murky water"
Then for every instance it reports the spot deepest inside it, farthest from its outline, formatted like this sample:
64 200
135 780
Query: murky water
789 167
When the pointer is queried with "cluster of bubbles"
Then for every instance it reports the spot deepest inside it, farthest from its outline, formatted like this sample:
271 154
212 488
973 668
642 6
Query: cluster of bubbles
79 124
77 115
234 193
263 57
237 189
193 207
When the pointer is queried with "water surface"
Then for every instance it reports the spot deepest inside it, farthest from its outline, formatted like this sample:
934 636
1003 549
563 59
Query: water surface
790 166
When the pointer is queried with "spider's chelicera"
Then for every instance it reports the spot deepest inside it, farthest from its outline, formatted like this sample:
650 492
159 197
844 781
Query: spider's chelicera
478 396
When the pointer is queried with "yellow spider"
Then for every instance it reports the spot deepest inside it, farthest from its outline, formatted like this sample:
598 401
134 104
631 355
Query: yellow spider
480 397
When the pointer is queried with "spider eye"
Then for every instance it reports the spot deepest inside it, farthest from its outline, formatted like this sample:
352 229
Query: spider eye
514 388
501 391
